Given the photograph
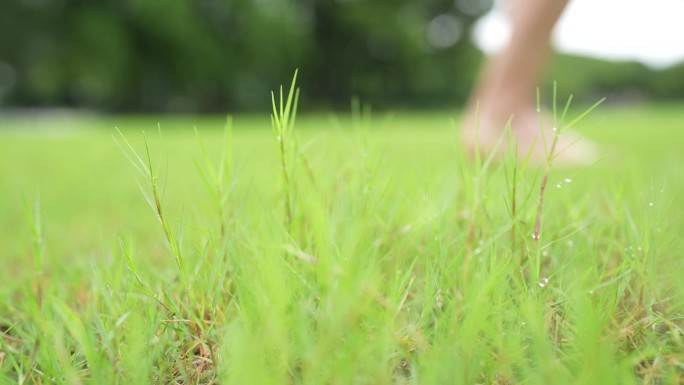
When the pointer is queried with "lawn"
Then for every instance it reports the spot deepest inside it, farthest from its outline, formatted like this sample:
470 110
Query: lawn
384 257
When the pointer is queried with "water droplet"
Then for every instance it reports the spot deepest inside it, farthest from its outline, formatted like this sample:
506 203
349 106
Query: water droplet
568 180
555 129
280 139
650 204
543 282
558 185
545 253
535 236
477 251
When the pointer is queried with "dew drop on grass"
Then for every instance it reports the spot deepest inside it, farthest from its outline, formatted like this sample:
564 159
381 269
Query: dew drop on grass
568 180
558 185
555 129
543 282
535 236
650 204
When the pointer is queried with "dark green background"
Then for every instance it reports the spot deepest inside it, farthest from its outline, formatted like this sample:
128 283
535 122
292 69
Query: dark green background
226 55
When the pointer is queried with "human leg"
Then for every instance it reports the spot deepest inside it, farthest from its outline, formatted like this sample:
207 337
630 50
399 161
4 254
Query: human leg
507 85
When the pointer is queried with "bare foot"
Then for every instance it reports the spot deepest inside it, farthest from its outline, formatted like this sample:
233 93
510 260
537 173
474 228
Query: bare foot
484 133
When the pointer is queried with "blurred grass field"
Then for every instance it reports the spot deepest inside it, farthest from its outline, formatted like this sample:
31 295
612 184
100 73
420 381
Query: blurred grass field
398 293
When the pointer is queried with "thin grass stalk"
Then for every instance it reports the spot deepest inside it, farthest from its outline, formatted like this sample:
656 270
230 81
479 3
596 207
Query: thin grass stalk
472 225
155 199
550 156
215 180
34 218
548 163
282 122
174 244
514 201
477 189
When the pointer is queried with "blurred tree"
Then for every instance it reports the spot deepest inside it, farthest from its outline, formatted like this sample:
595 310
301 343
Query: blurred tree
219 55
210 55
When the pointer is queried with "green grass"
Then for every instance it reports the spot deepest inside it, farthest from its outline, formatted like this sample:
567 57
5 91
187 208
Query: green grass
394 260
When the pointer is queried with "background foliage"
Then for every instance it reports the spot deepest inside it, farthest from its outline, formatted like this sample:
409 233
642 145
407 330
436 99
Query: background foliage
217 55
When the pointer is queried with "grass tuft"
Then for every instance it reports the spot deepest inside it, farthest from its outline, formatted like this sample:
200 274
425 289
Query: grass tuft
370 252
